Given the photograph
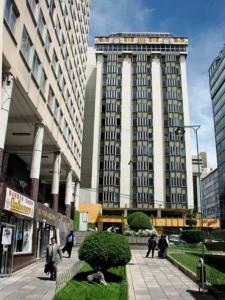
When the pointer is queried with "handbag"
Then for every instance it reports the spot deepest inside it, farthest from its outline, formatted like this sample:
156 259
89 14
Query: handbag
48 268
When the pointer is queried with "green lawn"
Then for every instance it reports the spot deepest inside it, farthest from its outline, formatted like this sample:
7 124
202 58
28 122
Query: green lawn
214 274
80 289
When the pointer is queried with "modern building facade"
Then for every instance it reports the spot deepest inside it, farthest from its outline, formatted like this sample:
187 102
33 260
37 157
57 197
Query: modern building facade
210 195
136 97
217 90
199 169
41 120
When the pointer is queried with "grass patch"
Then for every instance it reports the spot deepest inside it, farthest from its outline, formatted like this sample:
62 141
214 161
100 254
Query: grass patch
80 289
187 247
213 275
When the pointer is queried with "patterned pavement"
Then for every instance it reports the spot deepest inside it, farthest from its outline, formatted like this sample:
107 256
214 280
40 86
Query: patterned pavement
154 278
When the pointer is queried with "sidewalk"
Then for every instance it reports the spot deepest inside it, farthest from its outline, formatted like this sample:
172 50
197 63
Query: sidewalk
32 283
154 278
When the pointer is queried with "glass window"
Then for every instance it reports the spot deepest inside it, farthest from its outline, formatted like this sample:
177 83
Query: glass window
10 14
36 67
26 46
24 232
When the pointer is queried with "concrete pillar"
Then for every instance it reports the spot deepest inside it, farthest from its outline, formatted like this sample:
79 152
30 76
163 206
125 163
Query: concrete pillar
6 97
158 134
36 160
69 192
97 125
77 195
189 180
56 180
126 126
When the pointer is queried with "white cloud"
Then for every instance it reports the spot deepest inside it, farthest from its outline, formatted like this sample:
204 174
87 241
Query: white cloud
118 16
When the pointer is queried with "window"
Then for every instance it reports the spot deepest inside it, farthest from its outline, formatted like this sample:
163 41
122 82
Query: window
55 63
24 230
36 67
41 24
34 7
11 14
51 99
26 46
43 79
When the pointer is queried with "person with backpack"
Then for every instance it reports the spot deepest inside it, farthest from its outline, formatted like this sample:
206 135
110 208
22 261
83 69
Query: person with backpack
70 241
151 246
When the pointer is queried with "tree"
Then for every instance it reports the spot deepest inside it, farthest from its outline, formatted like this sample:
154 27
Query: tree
139 220
191 220
103 250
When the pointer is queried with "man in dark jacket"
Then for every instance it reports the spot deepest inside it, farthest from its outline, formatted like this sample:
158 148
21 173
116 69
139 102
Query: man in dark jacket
151 246
163 245
70 239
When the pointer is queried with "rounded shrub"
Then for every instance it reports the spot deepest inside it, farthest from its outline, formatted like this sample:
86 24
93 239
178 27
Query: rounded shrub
139 220
103 250
193 236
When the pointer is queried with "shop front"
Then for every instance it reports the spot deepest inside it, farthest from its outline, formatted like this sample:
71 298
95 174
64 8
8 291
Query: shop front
16 231
46 228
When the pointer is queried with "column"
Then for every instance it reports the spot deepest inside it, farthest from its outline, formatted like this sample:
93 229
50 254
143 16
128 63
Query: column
56 180
97 125
190 197
158 134
77 195
36 160
6 97
126 131
69 192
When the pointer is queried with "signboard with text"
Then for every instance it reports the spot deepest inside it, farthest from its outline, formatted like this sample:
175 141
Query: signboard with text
18 203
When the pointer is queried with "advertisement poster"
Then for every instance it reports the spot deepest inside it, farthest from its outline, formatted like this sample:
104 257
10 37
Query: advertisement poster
6 236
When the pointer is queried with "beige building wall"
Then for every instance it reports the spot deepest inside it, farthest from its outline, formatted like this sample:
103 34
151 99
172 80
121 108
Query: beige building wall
68 29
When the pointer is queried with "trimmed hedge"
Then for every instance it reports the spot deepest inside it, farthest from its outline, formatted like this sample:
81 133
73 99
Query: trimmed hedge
193 236
103 250
139 220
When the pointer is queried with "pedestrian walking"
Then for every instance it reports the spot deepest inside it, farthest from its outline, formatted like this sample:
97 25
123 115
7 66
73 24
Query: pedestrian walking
70 241
53 257
163 245
151 246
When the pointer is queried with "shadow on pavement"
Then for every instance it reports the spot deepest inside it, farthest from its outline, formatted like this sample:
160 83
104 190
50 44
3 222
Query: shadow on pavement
199 296
44 278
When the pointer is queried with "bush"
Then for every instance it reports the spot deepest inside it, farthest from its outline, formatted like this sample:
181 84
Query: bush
139 220
103 250
191 220
193 236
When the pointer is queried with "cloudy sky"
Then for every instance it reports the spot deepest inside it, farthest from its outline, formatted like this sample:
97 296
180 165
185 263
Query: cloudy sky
202 21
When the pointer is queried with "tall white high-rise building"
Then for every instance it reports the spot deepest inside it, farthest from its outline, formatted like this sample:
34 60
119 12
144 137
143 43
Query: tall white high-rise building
136 98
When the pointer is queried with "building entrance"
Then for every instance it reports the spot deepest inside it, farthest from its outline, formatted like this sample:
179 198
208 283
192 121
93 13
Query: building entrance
7 233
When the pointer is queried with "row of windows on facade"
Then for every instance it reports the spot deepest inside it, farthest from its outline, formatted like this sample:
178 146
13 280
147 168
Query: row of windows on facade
33 61
141 57
58 115
144 47
176 198
141 107
11 15
139 135
115 181
115 165
42 27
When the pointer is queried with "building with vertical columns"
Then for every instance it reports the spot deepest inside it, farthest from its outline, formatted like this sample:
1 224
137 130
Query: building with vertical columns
217 90
136 97
41 120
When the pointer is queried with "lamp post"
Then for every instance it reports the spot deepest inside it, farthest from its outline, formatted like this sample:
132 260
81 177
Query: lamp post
180 131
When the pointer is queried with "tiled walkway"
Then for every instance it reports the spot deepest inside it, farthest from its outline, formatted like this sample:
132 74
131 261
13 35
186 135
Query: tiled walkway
32 283
154 278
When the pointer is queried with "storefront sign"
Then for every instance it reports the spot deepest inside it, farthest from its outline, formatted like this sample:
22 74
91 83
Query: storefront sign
18 203
45 213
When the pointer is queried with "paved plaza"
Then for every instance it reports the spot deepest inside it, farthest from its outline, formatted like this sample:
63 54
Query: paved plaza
148 278
154 278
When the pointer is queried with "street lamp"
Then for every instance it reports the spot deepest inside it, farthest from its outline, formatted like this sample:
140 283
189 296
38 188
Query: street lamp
181 131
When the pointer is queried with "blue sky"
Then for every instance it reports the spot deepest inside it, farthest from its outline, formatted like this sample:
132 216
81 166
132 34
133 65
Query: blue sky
202 21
